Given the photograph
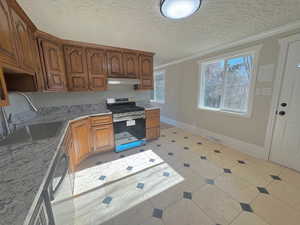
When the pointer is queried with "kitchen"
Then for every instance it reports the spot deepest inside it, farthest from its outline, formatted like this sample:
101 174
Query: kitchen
146 113
41 144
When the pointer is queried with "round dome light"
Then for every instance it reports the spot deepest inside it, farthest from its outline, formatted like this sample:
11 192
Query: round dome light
178 9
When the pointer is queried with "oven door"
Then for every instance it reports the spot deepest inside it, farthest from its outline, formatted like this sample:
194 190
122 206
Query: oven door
129 134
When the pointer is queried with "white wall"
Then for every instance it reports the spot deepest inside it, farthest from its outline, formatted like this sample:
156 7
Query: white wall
182 90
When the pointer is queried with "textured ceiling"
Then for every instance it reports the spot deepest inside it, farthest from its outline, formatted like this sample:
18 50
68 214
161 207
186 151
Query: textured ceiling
138 24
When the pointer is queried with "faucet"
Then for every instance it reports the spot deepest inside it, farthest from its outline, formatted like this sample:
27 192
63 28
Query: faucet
28 100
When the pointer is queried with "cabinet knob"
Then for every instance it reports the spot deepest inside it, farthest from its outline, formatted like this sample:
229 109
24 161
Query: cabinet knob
281 113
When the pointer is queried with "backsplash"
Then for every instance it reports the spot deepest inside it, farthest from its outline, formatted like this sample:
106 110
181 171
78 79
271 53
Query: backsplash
78 98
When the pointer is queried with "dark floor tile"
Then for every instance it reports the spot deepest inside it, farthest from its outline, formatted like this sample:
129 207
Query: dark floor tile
262 190
102 178
170 153
173 141
142 150
163 135
122 156
158 145
199 143
186 165
186 137
157 213
246 207
217 151
99 163
187 195
107 200
210 181
241 162
129 168
203 157
174 132
166 174
275 177
152 160
227 170
140 185
186 148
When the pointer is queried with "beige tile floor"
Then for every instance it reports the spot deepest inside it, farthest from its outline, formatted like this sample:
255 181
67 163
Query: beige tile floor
249 191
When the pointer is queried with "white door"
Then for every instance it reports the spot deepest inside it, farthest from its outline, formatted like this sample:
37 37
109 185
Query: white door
286 138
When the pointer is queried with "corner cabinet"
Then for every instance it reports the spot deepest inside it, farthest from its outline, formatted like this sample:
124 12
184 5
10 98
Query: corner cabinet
146 72
152 124
53 65
24 40
97 69
7 41
76 68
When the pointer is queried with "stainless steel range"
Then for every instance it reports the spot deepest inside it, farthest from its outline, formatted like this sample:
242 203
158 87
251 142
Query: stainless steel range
129 123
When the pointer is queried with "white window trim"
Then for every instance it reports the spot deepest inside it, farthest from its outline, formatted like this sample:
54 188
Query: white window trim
154 87
249 51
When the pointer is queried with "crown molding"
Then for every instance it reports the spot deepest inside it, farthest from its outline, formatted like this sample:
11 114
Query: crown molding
257 37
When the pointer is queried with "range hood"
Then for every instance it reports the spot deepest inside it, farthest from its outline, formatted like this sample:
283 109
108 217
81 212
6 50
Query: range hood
125 81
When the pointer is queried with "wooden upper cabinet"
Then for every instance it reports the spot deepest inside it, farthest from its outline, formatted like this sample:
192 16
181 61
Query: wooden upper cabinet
131 65
3 90
54 67
81 138
77 76
7 42
115 64
97 69
24 36
146 72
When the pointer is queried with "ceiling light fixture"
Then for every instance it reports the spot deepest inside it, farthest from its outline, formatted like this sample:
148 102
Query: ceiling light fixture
179 9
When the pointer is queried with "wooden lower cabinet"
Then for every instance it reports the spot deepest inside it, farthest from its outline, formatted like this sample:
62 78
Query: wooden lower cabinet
88 136
81 138
152 124
152 133
102 138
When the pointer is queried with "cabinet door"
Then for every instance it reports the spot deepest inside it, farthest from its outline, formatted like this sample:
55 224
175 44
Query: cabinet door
76 68
115 64
3 90
81 137
7 42
146 72
54 67
130 65
97 69
103 138
152 133
23 36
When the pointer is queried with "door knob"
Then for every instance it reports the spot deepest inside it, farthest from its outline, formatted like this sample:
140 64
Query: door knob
281 113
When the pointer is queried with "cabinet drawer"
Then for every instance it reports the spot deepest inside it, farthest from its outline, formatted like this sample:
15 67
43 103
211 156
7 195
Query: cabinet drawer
152 113
101 120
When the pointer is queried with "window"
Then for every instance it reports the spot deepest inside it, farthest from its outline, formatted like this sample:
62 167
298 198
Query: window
227 84
158 94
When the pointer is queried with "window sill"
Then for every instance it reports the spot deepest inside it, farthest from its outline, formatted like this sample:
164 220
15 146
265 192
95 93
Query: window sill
158 102
235 114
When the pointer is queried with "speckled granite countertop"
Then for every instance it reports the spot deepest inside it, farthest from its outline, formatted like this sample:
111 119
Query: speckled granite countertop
24 162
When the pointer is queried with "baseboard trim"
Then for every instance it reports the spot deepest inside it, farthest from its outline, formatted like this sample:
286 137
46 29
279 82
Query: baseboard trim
248 148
